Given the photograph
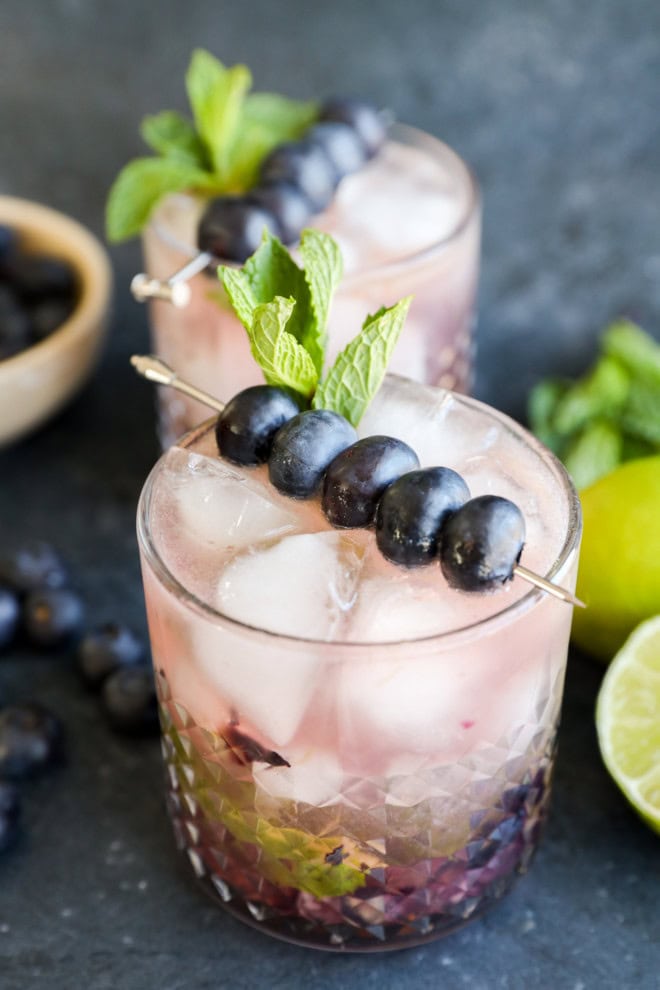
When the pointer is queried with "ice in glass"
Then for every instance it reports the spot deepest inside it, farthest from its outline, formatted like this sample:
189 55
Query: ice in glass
358 757
408 222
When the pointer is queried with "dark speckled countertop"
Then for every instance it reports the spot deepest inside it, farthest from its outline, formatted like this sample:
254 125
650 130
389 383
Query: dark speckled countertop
555 105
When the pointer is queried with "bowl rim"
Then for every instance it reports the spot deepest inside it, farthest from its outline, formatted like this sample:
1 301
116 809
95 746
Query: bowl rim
88 258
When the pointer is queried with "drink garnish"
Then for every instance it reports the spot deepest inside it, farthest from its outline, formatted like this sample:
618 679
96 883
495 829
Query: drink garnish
142 365
218 151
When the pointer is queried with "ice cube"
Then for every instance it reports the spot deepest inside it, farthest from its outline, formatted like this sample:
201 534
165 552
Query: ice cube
413 413
223 507
303 586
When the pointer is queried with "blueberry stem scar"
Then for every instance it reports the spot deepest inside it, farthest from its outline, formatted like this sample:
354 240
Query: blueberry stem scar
155 370
174 289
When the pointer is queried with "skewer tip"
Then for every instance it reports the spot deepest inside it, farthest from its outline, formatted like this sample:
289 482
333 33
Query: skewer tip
153 369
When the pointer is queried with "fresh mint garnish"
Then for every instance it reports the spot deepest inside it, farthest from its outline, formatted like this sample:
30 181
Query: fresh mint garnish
323 265
285 310
140 186
169 134
222 147
282 359
359 369
609 415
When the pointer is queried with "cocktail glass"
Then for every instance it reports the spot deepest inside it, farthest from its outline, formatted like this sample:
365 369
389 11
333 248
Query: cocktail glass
409 222
357 756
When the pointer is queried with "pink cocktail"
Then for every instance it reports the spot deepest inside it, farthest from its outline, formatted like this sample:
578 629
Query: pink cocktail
407 223
358 757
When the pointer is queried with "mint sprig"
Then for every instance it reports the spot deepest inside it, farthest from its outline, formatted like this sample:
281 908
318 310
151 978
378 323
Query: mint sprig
609 415
285 310
359 369
218 152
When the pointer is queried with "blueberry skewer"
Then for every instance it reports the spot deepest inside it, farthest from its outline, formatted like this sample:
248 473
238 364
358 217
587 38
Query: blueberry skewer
478 541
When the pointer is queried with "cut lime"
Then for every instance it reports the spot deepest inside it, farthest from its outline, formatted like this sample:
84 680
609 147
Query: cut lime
628 720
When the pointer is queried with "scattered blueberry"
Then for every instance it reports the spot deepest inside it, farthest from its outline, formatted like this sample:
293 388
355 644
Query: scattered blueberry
341 144
481 543
249 422
33 565
31 739
52 616
412 512
306 165
285 201
129 700
303 448
106 649
357 477
232 227
10 611
365 119
10 811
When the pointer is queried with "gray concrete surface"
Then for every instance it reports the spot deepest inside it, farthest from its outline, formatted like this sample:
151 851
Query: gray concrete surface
555 107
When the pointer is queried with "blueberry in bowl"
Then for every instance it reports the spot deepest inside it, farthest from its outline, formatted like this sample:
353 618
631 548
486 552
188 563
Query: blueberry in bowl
55 282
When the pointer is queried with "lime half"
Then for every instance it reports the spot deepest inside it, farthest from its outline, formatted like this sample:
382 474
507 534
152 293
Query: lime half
628 720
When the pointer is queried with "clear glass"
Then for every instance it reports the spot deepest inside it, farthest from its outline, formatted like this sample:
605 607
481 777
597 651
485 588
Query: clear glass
406 225
359 796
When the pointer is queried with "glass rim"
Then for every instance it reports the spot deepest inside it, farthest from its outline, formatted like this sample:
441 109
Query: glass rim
386 269
505 616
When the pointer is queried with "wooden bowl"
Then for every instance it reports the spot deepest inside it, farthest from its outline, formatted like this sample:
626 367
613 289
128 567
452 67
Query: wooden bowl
38 381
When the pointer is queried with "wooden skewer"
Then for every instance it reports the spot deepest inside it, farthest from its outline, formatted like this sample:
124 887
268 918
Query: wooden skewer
155 370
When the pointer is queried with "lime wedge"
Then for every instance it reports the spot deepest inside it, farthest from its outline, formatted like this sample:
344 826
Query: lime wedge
628 720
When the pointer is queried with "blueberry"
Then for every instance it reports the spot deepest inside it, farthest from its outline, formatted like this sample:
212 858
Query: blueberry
341 144
37 277
31 566
285 201
15 325
49 314
10 811
412 511
231 227
31 739
104 650
481 543
303 448
357 478
306 165
10 611
249 422
52 616
8 243
129 701
365 119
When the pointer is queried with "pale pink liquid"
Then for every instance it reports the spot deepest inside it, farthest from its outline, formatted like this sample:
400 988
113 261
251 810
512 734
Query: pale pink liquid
409 726
407 224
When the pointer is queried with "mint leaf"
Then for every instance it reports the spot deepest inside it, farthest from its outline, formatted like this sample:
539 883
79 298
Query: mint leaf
270 272
636 350
139 186
170 134
595 452
541 408
267 121
359 369
640 417
282 359
602 392
323 267
216 96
